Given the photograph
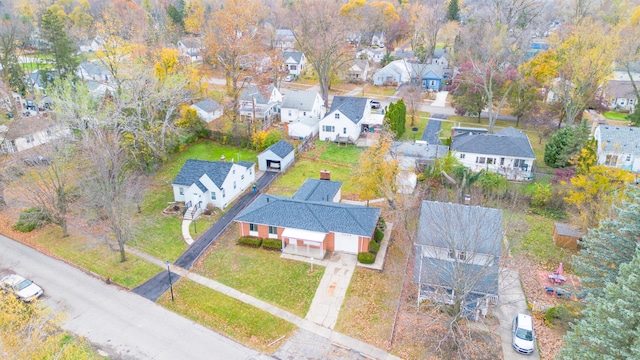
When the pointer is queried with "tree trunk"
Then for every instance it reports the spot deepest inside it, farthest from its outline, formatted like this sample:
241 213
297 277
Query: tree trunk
3 203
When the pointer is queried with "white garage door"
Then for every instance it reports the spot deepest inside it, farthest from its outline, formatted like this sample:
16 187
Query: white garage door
346 243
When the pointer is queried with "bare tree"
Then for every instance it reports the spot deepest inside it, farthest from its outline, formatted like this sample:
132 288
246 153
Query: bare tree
412 96
320 31
431 17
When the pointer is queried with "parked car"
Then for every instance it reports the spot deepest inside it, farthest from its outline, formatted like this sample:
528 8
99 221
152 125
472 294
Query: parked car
523 336
37 160
288 78
375 104
24 289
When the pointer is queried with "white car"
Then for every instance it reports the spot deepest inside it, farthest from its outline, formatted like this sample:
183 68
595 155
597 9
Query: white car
288 78
523 336
24 289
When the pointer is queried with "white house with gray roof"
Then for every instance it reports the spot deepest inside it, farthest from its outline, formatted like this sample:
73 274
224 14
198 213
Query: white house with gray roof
507 152
277 157
200 182
395 73
458 249
308 224
295 62
618 146
302 110
208 109
94 70
345 119
261 102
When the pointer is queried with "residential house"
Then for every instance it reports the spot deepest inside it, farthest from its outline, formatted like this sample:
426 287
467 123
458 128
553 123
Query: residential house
345 119
99 89
39 79
618 146
358 71
277 157
621 95
201 183
402 54
284 40
430 76
308 224
507 152
92 45
418 154
295 62
396 73
94 70
377 40
375 55
260 102
208 109
25 133
302 110
441 57
458 249
5 100
191 49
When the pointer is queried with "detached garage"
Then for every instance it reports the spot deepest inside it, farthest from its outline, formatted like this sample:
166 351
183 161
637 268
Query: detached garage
277 157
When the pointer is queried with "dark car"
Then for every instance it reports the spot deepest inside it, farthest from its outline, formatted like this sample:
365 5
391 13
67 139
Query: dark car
36 160
375 104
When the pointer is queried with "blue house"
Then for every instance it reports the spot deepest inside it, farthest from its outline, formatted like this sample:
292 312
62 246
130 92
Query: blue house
429 76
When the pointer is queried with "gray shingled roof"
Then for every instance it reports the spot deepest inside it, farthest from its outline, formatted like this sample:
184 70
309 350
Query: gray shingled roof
351 107
443 273
95 68
506 142
323 217
317 190
567 230
468 228
295 55
620 139
257 93
619 89
207 105
193 169
281 148
301 100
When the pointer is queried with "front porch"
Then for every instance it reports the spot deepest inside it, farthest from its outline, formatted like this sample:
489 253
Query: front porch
306 251
304 243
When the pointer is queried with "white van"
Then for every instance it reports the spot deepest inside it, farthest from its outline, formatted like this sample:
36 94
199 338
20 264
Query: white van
523 336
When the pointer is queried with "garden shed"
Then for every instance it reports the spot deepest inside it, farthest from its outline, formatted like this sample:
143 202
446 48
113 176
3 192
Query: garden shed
277 157
564 235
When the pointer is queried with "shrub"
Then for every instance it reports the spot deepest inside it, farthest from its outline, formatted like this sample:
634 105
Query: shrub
378 235
366 257
250 241
272 244
31 219
382 225
374 247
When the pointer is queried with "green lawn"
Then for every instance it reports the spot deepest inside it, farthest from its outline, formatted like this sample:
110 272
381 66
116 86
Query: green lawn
161 235
341 155
288 183
421 123
379 91
244 323
613 115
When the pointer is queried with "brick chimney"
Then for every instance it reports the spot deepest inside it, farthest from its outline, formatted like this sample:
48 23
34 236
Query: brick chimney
325 175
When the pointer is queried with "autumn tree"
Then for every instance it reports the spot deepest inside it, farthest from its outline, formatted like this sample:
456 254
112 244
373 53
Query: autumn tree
81 20
523 98
429 21
629 54
412 97
116 50
194 17
376 174
319 29
566 144
53 26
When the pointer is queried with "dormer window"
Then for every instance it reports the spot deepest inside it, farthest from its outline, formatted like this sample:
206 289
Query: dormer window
337 115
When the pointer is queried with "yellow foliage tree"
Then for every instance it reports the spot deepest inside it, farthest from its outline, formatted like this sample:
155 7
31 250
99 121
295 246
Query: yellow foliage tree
194 17
375 175
593 193
167 63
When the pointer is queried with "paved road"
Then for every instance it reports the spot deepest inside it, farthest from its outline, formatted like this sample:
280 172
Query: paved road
116 321
159 284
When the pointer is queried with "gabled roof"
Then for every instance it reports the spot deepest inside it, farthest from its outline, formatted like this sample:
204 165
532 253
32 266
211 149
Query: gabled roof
323 217
317 190
401 68
359 65
285 34
281 148
423 70
261 94
619 89
94 68
207 105
191 43
506 142
301 100
295 55
352 107
217 171
466 228
619 139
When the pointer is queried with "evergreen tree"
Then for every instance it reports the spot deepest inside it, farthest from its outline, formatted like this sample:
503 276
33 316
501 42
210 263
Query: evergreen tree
453 11
612 244
59 44
396 118
176 15
565 144
610 327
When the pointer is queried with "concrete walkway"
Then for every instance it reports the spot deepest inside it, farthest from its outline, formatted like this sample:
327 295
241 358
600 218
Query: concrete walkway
441 99
186 234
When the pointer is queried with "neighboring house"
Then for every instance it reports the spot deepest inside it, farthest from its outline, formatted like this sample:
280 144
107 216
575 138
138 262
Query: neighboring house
621 95
284 40
441 58
208 109
458 248
94 70
25 133
401 54
92 45
507 152
302 110
377 40
295 62
416 154
200 183
39 79
99 89
5 100
358 71
395 73
308 224
618 146
345 119
191 49
430 77
375 55
263 101
277 157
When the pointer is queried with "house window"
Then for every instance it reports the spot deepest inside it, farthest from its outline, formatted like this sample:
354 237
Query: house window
501 161
611 160
253 227
250 171
29 138
433 83
628 157
181 190
480 160
289 112
344 130
292 67
452 254
630 101
273 230
242 177
234 171
462 156
213 195
304 113
328 128
462 255
519 163
337 116
234 185
223 194
490 160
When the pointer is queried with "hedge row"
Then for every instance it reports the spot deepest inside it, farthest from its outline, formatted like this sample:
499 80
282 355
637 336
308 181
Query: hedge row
250 241
366 257
269 244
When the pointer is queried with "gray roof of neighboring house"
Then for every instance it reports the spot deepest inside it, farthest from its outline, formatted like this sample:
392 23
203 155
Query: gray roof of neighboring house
619 89
260 94
438 53
207 105
317 190
217 171
506 142
285 33
466 228
619 139
323 217
295 55
94 68
301 100
281 148
418 150
423 69
479 278
351 107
